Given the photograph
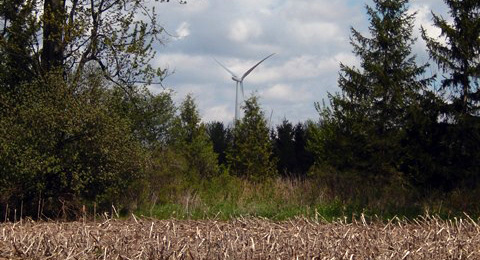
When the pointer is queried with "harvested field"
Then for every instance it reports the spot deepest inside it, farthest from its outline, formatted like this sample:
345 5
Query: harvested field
423 238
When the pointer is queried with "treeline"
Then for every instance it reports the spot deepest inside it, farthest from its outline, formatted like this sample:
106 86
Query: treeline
79 128
391 127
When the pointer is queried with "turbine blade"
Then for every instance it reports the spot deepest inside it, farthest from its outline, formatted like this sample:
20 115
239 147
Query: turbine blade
229 71
252 68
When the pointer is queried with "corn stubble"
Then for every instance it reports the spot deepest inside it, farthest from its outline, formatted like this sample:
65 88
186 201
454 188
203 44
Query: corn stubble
243 238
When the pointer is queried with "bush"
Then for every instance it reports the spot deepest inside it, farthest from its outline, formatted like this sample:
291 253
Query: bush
66 148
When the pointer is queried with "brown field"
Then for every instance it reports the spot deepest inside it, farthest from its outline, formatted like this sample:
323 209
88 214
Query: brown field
423 238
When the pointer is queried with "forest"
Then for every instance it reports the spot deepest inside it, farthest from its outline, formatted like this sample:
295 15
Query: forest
81 133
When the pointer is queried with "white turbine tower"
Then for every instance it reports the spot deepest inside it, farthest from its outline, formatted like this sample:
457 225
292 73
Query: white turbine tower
239 81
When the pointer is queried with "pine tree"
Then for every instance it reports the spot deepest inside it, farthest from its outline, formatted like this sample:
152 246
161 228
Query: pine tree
251 153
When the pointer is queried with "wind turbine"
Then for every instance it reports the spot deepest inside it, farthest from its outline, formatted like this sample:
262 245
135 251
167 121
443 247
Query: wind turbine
239 81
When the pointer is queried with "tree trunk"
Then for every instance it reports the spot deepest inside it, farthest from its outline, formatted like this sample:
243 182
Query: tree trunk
54 18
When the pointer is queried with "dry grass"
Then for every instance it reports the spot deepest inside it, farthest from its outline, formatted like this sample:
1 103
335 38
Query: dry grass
423 238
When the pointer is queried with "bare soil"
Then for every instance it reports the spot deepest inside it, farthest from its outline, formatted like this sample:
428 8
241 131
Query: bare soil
244 238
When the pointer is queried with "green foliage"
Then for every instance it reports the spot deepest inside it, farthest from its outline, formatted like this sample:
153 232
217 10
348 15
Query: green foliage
226 197
386 129
41 37
164 179
83 139
289 147
183 161
363 128
459 56
67 147
194 144
251 153
456 135
221 138
152 116
304 157
284 148
17 39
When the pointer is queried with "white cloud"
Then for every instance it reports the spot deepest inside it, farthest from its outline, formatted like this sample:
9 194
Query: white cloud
347 58
183 30
424 19
218 113
309 11
310 67
244 29
315 32
285 93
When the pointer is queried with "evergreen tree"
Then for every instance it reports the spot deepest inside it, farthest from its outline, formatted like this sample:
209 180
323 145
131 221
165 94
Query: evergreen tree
363 128
251 153
193 142
458 134
17 41
284 149
303 157
459 56
221 138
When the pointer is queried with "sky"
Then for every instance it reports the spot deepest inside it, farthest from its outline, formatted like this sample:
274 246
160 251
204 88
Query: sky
310 39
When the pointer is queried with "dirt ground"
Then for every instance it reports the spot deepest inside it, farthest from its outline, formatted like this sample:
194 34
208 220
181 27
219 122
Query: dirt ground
243 238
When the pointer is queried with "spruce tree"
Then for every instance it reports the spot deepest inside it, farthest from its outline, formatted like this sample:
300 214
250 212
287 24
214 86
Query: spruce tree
364 125
459 56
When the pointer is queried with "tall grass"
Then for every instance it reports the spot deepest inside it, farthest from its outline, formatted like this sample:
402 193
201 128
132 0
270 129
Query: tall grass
226 197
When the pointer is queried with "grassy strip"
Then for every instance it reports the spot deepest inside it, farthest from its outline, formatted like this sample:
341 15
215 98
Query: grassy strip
228 197
328 212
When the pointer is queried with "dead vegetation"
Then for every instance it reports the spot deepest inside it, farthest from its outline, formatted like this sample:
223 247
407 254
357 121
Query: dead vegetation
422 238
